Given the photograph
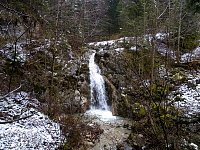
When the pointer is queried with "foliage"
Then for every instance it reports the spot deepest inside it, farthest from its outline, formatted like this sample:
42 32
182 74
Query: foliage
193 5
68 25
131 14
138 110
189 42
113 16
77 131
139 60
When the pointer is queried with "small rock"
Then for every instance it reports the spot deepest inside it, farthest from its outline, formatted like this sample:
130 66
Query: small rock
90 144
140 136
198 81
120 146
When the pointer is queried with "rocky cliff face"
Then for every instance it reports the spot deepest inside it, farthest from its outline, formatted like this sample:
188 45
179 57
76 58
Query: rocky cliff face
112 62
77 91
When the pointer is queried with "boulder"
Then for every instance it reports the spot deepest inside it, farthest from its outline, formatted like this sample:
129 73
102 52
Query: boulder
137 141
84 104
85 89
112 95
81 102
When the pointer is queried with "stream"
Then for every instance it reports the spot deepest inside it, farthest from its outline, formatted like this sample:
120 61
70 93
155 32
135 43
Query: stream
115 130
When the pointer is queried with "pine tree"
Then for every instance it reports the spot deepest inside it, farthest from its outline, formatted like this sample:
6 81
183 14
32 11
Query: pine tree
113 16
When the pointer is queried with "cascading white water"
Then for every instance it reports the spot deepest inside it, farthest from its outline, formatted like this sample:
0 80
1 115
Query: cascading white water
99 106
97 86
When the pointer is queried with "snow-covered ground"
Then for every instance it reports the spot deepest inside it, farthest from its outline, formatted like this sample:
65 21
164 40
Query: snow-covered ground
161 36
161 47
22 54
115 44
165 51
23 127
8 52
194 55
190 94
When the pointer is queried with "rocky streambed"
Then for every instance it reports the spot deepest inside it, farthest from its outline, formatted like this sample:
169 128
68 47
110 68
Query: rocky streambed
115 130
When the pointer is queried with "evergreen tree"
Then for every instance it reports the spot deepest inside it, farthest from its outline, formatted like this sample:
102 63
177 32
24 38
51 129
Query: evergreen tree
113 16
194 5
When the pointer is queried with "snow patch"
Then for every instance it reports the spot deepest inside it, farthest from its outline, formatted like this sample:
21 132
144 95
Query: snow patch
133 48
119 49
195 54
9 49
194 146
103 43
113 43
163 71
161 36
190 93
26 128
165 51
148 38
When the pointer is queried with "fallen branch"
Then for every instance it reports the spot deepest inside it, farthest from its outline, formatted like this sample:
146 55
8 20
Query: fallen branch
15 120
14 11
2 97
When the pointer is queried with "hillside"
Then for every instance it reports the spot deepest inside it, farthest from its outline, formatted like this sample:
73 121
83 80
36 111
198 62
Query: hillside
89 74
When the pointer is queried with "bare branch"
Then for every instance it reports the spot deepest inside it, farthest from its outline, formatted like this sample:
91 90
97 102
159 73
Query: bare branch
2 97
162 13
14 11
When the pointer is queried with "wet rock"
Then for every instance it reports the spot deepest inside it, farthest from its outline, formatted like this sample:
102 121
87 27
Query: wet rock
123 146
120 147
84 69
84 104
82 78
127 126
112 95
90 144
114 134
198 81
80 101
77 97
85 89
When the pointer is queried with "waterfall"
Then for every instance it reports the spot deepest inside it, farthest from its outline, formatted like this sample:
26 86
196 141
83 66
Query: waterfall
97 86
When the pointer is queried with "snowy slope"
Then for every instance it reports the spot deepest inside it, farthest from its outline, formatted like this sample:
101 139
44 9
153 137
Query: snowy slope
27 128
190 94
191 56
